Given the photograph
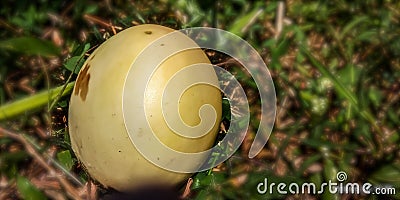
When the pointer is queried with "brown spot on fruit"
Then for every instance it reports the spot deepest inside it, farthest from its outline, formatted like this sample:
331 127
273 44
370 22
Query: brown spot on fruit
82 83
148 32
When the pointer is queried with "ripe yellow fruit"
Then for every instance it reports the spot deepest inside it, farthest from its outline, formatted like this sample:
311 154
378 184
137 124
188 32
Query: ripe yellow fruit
97 125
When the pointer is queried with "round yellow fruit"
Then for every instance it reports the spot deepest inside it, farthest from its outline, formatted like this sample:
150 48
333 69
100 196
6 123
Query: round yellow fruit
97 123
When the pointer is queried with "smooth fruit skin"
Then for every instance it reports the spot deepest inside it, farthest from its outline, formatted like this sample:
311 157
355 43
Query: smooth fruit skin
97 129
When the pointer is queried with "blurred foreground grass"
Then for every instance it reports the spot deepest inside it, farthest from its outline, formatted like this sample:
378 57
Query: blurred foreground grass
335 65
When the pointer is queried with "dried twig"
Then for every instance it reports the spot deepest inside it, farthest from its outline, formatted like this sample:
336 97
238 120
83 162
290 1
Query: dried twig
97 20
186 193
30 149
102 22
279 18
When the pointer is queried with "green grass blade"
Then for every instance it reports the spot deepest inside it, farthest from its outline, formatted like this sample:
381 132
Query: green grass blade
30 46
341 89
28 190
33 102
239 26
324 71
352 25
